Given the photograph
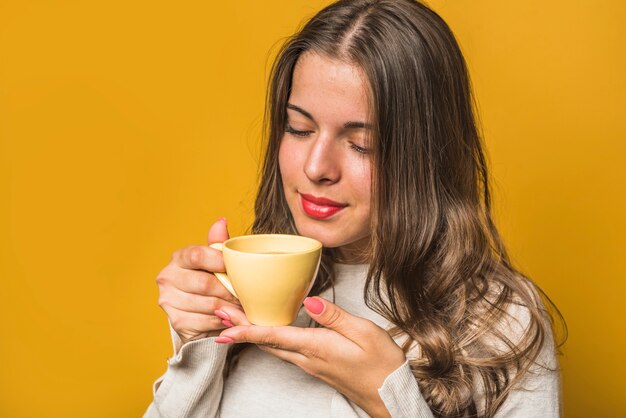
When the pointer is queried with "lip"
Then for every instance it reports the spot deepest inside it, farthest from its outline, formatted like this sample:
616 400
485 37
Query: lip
320 207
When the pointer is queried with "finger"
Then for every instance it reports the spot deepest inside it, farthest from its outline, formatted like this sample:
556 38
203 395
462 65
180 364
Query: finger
190 302
195 323
202 283
333 317
218 232
292 357
199 257
300 340
233 314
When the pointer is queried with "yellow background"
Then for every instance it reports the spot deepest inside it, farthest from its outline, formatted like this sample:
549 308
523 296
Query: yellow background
127 128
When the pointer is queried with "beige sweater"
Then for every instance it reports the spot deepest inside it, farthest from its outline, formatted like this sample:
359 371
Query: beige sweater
262 385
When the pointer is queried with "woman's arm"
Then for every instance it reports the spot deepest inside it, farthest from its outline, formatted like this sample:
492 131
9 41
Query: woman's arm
538 394
356 358
350 354
402 396
192 385
538 397
190 295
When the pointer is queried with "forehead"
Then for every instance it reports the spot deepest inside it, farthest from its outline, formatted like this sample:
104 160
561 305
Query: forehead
326 86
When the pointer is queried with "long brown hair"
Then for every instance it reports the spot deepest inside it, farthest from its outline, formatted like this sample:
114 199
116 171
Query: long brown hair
439 270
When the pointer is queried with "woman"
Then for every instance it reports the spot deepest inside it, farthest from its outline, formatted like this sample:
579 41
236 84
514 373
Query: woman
373 150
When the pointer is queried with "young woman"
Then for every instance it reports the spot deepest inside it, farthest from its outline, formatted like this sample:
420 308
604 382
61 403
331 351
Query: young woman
372 149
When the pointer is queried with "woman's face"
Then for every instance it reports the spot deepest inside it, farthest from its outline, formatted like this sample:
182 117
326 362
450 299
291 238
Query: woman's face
324 154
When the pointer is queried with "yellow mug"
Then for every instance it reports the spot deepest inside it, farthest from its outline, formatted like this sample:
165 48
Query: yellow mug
270 274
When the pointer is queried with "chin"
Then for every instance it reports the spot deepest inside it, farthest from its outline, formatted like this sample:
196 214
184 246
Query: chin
329 235
322 233
327 242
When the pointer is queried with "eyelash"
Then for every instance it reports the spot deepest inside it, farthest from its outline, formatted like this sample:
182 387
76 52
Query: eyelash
304 134
358 149
292 131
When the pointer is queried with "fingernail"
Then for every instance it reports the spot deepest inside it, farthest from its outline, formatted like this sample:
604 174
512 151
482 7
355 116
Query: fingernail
314 305
227 323
221 314
222 219
224 340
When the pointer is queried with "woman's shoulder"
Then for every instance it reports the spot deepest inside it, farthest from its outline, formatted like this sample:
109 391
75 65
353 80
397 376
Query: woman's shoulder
524 322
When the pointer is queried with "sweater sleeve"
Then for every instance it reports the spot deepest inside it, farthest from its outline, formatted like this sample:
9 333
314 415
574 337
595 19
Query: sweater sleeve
402 396
538 397
192 385
537 394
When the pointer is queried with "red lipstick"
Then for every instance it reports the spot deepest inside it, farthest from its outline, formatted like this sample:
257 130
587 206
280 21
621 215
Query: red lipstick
320 207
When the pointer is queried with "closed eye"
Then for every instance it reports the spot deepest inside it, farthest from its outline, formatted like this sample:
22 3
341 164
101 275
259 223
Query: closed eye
302 134
359 149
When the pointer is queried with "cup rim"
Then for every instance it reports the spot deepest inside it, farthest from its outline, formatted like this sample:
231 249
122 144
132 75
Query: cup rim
317 247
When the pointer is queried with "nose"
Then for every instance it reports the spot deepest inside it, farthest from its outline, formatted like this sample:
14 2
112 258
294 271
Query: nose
322 164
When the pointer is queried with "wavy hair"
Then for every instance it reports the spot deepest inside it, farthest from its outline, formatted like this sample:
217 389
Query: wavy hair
438 268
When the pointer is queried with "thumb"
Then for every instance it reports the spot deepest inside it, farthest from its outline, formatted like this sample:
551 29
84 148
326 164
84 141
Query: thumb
218 232
331 316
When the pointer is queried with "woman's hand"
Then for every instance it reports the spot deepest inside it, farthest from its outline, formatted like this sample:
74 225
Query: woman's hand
188 292
351 354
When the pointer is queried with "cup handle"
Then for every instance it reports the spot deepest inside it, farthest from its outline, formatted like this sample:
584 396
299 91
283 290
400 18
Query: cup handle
222 277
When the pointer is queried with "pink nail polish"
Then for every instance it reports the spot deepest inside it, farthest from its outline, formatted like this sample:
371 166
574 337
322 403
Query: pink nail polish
227 323
314 305
221 314
224 340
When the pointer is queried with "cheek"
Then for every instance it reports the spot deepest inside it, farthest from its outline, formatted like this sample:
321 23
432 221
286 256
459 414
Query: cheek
363 185
288 162
282 161
362 179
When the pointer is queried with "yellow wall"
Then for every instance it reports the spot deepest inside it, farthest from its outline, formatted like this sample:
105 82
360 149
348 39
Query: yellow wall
127 128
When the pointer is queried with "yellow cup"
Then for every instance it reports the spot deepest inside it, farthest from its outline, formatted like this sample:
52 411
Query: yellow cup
270 274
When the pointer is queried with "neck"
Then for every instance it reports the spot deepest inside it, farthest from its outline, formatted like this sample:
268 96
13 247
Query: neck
358 252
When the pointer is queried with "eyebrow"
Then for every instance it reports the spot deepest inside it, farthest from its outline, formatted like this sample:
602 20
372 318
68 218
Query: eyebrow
347 125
